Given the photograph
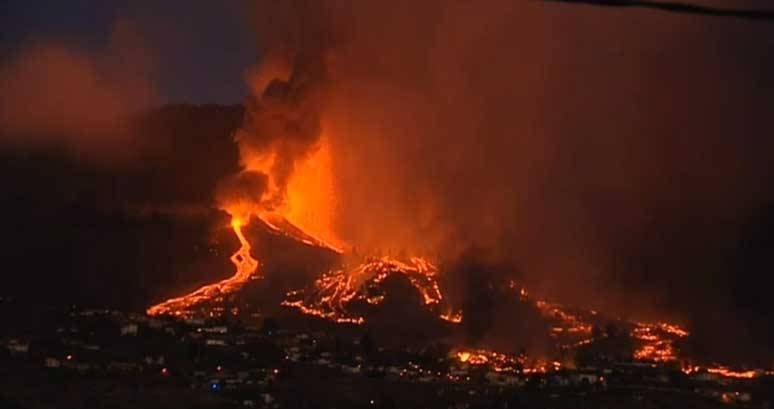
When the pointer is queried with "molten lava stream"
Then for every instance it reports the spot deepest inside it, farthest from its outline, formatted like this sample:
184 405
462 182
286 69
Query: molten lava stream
245 264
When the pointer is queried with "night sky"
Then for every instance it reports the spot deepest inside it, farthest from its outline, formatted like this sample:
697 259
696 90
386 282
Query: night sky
199 52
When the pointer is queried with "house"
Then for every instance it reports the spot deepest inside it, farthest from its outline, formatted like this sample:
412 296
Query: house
52 363
585 378
458 372
129 330
706 377
194 321
735 397
149 360
502 379
216 329
560 380
16 346
155 323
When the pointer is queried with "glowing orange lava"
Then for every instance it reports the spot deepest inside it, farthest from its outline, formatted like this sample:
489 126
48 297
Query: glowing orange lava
331 294
570 322
657 341
246 267
311 197
500 362
726 372
303 209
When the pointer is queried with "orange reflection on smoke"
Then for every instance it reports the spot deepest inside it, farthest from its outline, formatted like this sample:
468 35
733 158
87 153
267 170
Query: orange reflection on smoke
311 198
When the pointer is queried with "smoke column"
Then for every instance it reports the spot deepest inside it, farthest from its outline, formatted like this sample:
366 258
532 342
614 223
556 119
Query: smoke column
282 125
605 153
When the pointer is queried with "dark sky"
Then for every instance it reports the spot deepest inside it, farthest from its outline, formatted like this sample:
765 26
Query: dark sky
199 51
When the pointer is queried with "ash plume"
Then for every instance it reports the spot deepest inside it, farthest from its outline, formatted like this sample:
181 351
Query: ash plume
609 152
282 118
243 189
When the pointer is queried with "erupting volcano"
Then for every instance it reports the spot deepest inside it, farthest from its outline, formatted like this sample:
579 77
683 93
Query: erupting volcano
287 183
387 204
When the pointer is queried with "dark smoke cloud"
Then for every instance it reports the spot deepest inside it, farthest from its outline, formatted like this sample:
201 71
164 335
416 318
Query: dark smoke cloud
282 117
55 94
285 121
609 153
244 188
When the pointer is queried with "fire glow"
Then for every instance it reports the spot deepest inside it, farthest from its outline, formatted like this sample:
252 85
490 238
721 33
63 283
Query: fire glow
287 184
331 294
657 341
726 372
500 362
246 268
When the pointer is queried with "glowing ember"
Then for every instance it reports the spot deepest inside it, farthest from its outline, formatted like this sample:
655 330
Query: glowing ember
514 286
657 341
725 372
308 186
453 317
729 373
331 294
279 225
570 322
500 362
246 267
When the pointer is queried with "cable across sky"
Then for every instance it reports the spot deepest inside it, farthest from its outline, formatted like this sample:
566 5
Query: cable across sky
679 7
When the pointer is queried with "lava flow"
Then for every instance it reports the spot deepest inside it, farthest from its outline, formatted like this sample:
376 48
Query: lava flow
302 215
246 267
657 341
654 340
332 293
500 362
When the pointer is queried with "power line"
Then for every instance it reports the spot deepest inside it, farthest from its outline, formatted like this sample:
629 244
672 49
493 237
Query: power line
676 7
